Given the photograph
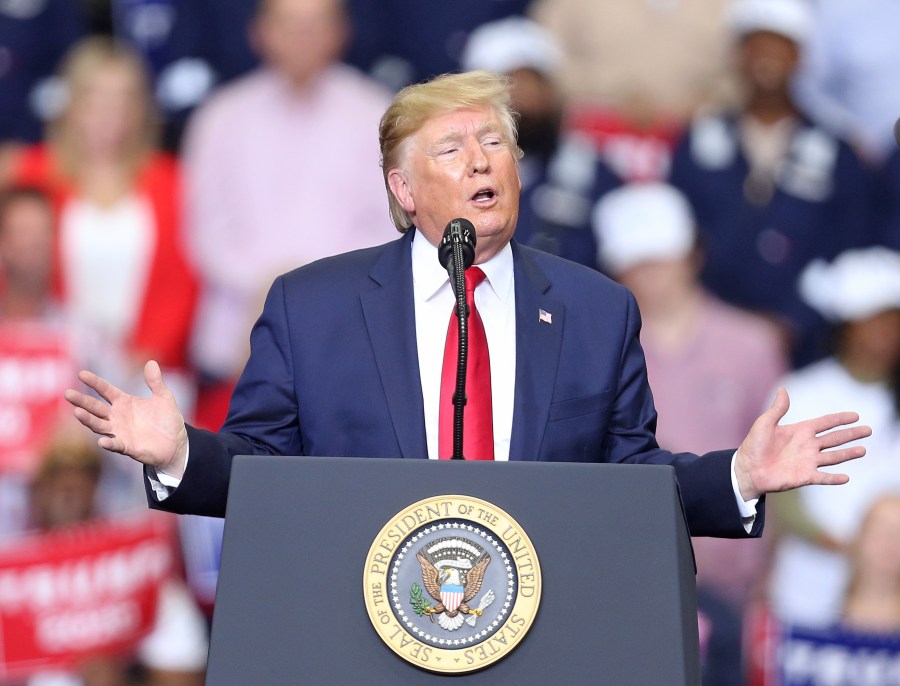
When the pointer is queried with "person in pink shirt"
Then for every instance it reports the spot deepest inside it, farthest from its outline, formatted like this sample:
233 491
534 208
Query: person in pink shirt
725 360
282 169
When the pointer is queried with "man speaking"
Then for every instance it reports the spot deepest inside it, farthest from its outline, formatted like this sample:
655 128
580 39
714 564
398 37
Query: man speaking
348 355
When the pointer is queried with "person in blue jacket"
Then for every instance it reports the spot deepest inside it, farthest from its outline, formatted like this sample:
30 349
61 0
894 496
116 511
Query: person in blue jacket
770 188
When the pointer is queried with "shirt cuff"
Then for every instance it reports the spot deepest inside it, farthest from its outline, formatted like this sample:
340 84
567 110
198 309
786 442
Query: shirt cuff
747 508
164 484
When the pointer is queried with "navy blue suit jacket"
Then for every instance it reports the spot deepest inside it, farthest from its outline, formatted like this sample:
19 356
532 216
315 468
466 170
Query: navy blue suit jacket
333 371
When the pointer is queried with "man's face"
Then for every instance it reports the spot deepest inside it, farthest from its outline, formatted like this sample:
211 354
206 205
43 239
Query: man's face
538 103
461 165
300 38
767 61
26 243
64 498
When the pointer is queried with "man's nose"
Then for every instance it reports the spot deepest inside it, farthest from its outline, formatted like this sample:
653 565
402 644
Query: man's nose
478 160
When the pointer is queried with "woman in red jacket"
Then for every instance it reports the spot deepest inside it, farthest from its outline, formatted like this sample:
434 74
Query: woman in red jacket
121 269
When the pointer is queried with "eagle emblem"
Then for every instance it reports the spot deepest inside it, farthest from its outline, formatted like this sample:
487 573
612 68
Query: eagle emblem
452 572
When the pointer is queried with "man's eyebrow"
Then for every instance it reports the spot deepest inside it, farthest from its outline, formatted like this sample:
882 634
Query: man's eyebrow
450 137
457 134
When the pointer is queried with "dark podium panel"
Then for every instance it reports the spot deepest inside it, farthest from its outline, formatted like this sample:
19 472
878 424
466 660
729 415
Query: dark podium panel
618 604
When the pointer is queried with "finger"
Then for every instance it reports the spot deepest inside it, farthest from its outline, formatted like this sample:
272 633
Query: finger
830 421
111 443
95 424
153 378
779 407
103 387
87 402
841 436
833 457
829 479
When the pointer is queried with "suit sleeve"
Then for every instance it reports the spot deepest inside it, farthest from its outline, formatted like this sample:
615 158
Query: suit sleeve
262 419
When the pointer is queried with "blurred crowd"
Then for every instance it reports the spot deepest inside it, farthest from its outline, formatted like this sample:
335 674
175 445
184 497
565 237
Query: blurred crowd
732 162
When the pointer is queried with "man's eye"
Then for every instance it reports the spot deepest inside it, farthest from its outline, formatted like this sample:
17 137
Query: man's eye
448 151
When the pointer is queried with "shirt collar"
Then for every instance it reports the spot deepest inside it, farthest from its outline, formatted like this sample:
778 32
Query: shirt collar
430 277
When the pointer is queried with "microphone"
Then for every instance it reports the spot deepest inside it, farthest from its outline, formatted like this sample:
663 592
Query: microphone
459 232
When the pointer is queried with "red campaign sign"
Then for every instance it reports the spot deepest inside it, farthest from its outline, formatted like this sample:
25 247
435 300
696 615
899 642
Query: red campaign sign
36 366
87 590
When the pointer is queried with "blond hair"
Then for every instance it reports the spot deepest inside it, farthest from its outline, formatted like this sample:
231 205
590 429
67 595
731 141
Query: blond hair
415 105
80 65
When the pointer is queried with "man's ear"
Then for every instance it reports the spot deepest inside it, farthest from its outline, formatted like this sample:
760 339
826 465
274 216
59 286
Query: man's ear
398 181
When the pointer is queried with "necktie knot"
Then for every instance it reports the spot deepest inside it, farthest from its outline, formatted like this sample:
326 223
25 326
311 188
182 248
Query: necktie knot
474 276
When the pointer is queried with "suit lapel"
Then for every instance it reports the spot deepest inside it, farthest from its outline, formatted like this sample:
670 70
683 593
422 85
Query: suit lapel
389 312
538 343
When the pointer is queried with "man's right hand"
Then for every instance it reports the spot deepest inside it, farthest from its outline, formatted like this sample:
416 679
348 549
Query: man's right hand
149 430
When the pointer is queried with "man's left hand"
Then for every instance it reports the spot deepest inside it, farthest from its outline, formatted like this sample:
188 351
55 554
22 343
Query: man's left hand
777 457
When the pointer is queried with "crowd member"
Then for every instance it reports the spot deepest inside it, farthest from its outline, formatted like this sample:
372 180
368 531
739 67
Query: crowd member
267 158
32 331
64 495
771 189
725 359
696 346
860 293
122 270
871 602
348 356
26 256
380 43
562 175
847 79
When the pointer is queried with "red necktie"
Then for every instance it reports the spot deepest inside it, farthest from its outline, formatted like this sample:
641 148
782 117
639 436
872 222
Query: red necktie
478 426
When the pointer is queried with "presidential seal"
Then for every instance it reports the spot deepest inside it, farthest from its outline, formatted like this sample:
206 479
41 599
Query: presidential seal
452 584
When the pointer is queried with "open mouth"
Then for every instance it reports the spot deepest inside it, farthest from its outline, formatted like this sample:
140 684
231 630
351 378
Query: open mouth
484 195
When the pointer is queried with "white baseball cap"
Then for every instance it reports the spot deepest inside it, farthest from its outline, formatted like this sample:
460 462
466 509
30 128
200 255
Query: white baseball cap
643 222
856 285
790 18
513 43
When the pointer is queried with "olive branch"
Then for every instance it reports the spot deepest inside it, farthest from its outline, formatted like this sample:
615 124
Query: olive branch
417 600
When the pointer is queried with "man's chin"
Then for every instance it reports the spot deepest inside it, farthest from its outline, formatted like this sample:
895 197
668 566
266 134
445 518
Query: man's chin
491 242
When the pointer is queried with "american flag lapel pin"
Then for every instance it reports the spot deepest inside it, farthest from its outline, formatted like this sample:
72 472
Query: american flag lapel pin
544 316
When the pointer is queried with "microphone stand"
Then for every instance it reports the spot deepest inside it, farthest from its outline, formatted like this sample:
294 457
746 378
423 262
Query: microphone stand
462 358
456 253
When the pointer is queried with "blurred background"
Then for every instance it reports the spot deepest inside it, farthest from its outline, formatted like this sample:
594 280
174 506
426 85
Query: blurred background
732 162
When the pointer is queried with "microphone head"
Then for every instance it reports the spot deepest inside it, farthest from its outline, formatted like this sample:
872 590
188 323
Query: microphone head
460 231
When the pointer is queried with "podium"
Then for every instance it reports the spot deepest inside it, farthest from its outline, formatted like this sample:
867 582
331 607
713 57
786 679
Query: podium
618 599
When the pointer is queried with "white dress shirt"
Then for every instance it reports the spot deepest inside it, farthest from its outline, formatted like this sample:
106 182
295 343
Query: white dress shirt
495 299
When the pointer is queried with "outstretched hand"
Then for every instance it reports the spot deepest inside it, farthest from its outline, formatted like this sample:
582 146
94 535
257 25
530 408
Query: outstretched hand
149 430
777 457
